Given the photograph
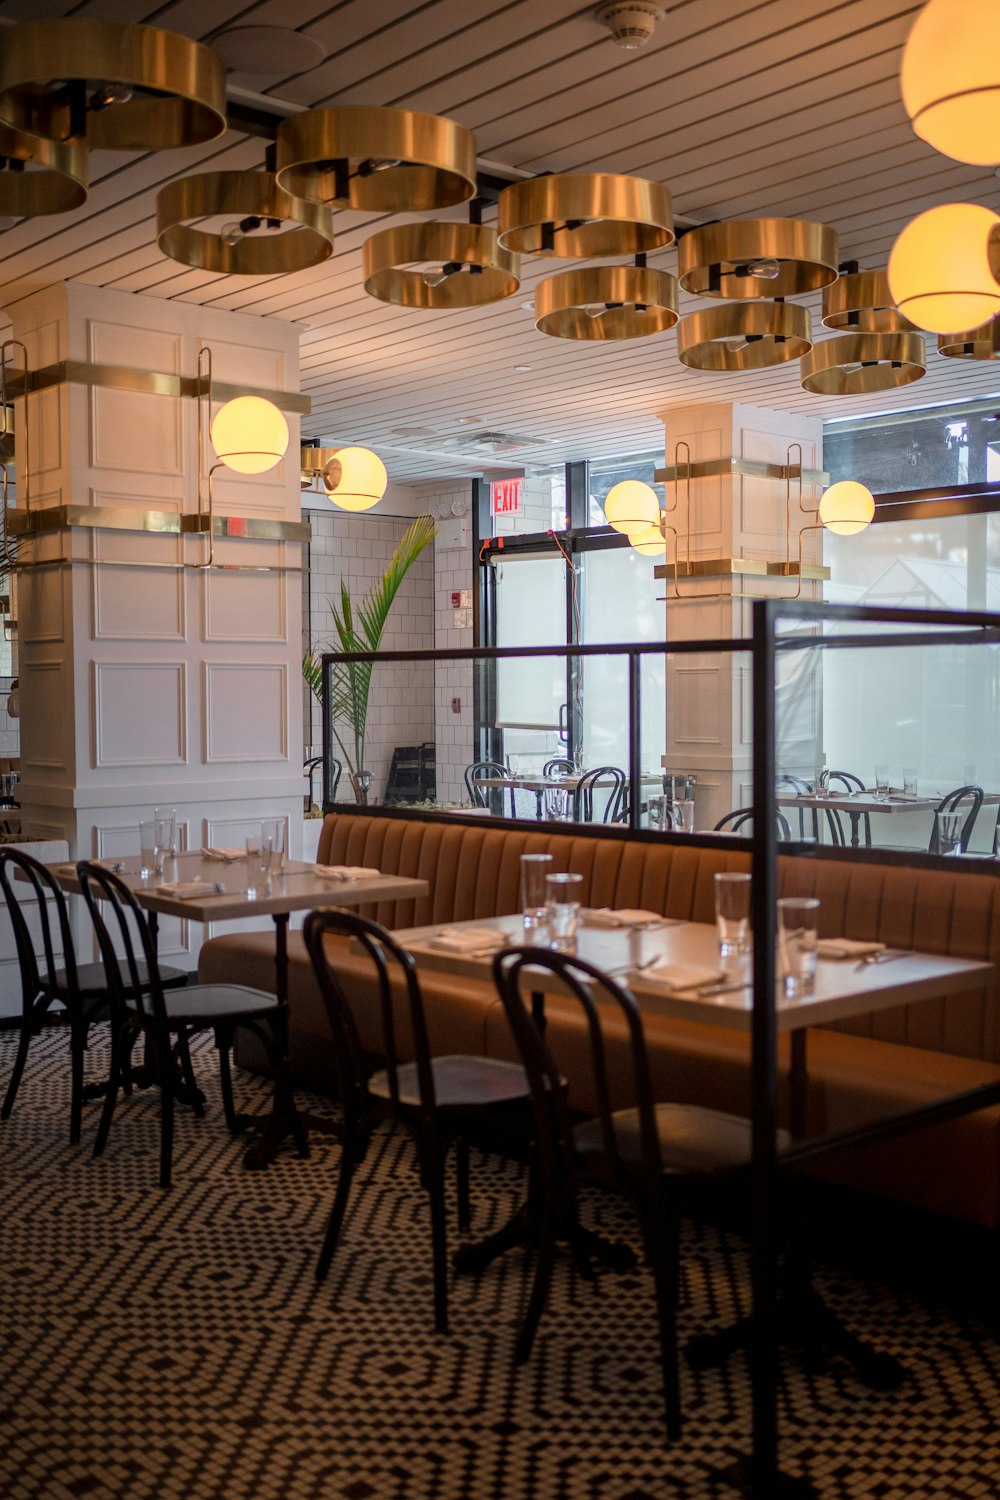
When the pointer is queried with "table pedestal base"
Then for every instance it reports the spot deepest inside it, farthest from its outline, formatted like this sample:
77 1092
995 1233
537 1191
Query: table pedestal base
523 1230
779 1486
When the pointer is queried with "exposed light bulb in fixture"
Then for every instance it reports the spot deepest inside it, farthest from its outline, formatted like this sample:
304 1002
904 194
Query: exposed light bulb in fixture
733 346
764 270
231 234
111 93
435 278
383 163
595 310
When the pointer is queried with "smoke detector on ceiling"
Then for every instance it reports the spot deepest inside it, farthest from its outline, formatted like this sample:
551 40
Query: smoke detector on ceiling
631 22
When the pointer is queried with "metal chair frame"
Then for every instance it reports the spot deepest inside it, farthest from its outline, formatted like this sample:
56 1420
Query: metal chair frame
742 815
951 803
479 795
588 784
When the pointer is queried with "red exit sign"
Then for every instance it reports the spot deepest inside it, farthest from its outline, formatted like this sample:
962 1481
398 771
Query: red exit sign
505 497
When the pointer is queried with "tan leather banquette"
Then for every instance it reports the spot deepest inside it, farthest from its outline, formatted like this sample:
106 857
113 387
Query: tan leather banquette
857 1073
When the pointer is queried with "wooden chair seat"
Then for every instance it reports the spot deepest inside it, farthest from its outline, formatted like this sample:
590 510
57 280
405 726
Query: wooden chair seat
459 1083
692 1139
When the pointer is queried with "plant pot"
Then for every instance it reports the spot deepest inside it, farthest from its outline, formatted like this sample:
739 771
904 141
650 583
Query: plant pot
362 783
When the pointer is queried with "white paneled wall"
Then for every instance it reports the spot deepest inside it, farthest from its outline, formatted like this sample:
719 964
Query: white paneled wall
401 705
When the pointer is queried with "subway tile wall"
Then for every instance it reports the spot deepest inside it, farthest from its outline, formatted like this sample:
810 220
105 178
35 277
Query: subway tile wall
454 729
401 702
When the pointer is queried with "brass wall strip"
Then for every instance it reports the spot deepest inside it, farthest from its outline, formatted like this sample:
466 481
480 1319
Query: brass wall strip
147 383
174 567
713 567
164 522
748 468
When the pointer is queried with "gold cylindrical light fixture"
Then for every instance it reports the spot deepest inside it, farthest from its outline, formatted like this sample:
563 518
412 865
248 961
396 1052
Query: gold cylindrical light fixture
862 303
744 336
606 302
469 266
251 200
974 343
390 160
758 258
49 178
585 213
857 364
119 87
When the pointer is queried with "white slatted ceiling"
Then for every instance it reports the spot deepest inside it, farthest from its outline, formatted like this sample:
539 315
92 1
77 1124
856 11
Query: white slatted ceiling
783 107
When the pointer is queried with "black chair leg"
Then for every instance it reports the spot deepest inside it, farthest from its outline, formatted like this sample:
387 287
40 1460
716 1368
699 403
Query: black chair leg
77 1044
662 1237
349 1158
197 1099
552 1213
29 1026
121 1052
462 1183
223 1042
166 1127
434 1177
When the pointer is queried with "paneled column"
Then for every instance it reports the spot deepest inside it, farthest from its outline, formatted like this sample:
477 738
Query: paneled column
147 678
733 515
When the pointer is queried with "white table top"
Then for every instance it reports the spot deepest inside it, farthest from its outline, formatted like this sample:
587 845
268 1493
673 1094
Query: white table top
539 783
842 988
297 888
867 802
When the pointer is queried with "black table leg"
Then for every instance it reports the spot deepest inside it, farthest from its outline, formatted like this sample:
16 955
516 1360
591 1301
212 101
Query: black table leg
284 1119
855 818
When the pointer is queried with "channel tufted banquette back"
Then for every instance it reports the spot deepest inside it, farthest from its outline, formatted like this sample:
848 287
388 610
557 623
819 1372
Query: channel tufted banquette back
473 871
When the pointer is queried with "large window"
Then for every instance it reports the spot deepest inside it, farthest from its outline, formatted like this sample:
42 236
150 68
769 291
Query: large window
917 450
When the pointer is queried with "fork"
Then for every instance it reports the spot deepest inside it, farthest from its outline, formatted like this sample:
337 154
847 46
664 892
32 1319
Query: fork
886 956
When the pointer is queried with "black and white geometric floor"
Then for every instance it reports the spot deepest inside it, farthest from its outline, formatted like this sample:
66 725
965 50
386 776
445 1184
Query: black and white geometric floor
175 1346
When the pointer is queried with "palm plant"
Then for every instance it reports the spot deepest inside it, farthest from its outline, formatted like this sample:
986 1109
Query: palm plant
360 628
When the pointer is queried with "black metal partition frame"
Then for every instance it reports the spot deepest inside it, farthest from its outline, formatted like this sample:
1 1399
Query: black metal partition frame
761 1478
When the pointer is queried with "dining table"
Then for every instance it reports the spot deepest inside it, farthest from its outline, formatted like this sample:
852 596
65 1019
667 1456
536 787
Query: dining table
860 804
539 784
226 897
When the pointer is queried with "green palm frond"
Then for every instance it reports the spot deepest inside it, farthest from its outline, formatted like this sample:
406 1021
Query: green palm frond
361 628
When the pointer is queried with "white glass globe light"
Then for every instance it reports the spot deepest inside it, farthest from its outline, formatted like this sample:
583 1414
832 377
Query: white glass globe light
648 540
847 507
355 479
250 435
940 274
631 505
950 79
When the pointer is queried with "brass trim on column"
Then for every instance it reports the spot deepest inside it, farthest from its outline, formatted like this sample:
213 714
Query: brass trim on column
585 213
148 383
716 259
159 522
241 195
857 364
975 343
492 272
390 160
173 89
747 468
743 336
628 302
862 303
54 180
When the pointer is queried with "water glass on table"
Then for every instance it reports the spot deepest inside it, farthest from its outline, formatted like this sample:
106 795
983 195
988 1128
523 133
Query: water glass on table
557 804
563 892
166 820
534 868
258 866
272 844
732 914
909 781
882 783
798 921
682 816
947 835
150 849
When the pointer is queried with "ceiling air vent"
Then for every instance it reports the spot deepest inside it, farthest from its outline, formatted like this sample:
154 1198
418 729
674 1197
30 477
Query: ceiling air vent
491 442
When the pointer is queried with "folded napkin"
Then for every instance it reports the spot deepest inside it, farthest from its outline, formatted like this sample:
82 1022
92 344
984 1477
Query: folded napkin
469 940
626 916
847 948
188 890
116 866
345 872
679 977
226 855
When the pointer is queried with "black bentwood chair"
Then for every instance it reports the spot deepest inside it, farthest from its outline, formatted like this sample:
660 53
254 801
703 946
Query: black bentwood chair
848 782
733 822
953 802
611 779
651 1155
479 796
167 1018
50 974
440 1100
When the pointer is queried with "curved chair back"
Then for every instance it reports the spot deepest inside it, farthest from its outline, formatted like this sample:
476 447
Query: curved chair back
122 929
39 960
734 821
845 781
614 781
800 788
479 796
381 948
516 978
952 803
558 765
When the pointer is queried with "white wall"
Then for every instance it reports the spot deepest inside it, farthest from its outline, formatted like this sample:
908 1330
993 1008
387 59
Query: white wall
454 732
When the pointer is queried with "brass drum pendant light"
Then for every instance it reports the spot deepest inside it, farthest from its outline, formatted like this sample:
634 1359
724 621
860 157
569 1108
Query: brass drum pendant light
975 343
40 177
744 336
469 269
856 364
585 213
861 302
252 201
606 302
389 160
119 87
758 258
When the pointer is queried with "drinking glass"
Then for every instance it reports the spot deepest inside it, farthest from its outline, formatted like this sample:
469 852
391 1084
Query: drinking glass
948 832
732 913
909 781
258 864
798 919
272 843
882 782
563 903
166 818
150 851
534 868
682 816
659 813
557 799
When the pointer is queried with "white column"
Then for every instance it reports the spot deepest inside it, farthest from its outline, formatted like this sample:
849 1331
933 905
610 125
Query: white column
731 515
146 680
